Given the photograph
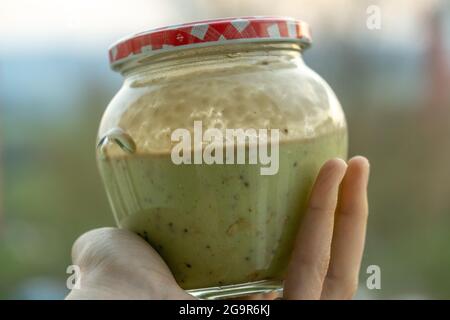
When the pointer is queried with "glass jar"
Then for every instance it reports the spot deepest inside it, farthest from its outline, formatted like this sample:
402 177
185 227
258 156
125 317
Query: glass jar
224 229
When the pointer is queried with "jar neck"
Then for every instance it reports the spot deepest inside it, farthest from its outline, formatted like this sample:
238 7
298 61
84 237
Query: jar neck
219 58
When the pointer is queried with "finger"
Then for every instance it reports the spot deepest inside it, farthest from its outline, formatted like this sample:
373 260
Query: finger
347 245
309 261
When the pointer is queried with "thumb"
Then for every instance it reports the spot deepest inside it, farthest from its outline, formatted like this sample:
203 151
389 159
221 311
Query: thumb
121 264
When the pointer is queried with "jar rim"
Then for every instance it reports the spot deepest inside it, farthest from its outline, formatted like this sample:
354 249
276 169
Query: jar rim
209 33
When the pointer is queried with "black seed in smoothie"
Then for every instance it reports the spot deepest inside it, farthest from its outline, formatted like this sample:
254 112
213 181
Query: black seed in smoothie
250 210
241 177
246 184
285 130
188 265
208 246
247 258
185 230
220 283
295 164
264 62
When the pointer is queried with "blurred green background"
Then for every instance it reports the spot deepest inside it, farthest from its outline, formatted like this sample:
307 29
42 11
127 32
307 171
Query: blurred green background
55 83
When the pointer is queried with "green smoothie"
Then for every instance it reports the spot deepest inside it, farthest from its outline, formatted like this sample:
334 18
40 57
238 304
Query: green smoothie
218 225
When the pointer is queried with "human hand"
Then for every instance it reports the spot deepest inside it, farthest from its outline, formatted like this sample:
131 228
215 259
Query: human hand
118 264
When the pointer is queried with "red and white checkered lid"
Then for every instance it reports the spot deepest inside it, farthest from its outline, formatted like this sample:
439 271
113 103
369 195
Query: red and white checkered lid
209 32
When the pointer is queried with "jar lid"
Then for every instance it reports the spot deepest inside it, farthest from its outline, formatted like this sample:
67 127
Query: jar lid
207 33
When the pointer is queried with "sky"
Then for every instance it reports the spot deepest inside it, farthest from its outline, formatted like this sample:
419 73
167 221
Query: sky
44 23
48 42
86 24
